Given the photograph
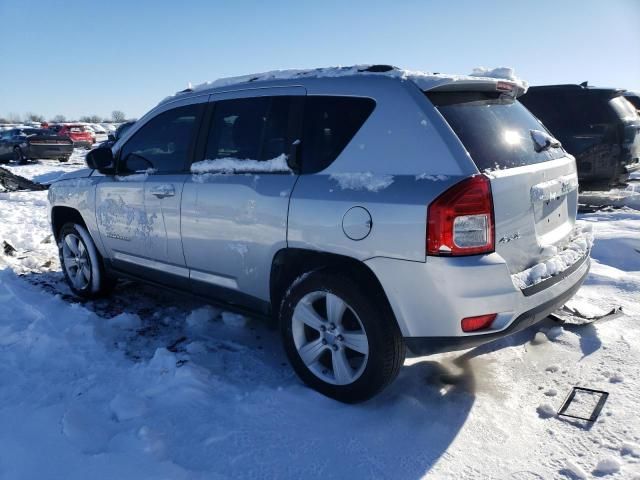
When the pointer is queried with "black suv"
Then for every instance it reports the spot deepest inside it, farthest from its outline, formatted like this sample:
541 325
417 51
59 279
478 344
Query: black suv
597 125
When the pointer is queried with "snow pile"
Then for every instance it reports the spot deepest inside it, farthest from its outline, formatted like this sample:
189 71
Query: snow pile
579 245
362 181
233 165
432 178
630 448
607 466
501 73
546 410
424 80
555 188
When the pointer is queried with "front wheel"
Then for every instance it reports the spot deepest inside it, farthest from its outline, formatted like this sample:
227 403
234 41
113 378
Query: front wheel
81 263
340 341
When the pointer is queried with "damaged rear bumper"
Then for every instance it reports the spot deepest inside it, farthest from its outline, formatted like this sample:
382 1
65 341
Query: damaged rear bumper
431 345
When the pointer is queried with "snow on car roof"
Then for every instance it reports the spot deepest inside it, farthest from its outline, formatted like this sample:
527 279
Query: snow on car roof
424 80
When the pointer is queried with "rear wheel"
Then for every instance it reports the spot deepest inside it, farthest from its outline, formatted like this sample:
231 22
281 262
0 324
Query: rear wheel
339 341
81 263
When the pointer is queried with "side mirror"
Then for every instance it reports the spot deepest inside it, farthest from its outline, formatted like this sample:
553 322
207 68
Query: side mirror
293 161
111 137
101 159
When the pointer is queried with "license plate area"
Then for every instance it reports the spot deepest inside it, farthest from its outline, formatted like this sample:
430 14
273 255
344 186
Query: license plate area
550 215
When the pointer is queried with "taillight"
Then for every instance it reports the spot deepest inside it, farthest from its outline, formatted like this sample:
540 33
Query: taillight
473 324
461 221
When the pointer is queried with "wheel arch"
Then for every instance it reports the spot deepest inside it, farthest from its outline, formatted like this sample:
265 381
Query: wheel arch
61 215
288 264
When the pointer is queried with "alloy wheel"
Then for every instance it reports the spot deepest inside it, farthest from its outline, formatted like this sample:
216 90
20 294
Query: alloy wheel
330 338
76 262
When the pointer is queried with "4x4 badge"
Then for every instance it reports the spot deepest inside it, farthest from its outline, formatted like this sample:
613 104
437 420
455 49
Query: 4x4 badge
509 238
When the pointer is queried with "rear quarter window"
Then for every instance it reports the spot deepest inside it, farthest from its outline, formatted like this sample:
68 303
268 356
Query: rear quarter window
495 129
330 122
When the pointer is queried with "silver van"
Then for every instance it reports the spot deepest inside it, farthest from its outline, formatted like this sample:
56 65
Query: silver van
369 209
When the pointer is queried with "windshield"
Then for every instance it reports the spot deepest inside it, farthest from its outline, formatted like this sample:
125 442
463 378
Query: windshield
497 131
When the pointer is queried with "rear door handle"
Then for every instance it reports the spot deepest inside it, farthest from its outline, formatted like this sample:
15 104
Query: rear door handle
163 191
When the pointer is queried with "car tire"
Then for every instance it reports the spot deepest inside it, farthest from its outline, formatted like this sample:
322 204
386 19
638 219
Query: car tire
341 342
18 156
63 159
82 264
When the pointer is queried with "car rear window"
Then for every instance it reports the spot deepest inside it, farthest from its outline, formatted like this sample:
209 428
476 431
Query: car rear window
495 129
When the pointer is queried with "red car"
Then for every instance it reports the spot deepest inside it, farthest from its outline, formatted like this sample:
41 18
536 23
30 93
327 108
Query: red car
80 134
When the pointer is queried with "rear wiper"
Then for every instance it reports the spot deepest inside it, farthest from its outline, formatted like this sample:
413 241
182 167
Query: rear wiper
543 141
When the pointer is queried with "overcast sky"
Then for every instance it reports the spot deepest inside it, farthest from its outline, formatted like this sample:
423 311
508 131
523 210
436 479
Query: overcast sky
79 58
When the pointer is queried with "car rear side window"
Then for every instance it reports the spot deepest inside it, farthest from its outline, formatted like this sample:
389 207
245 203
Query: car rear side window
255 128
330 122
495 129
163 143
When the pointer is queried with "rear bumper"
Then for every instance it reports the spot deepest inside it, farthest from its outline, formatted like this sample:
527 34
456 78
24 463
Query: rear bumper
49 151
431 345
430 299
82 144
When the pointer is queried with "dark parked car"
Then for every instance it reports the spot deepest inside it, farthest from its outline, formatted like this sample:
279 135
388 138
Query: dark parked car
597 125
22 144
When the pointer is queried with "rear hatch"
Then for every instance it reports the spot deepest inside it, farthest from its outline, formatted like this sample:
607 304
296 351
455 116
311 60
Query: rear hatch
533 180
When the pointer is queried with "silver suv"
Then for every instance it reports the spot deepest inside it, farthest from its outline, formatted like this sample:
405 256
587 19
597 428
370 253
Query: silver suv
368 209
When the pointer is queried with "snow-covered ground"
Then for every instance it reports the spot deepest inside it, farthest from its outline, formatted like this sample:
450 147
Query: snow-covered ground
150 385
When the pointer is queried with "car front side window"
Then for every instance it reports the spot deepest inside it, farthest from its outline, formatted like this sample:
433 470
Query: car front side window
163 144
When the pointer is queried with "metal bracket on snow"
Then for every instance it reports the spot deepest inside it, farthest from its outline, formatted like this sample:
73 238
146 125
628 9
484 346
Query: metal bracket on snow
596 410
572 316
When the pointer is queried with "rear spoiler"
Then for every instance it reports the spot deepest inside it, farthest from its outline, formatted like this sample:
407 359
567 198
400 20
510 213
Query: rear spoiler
508 87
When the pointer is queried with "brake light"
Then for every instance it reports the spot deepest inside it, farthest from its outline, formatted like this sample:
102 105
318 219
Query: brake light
460 221
473 324
504 86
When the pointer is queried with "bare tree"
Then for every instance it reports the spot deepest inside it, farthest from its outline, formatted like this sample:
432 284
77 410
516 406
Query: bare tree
33 117
59 119
14 117
4 120
118 116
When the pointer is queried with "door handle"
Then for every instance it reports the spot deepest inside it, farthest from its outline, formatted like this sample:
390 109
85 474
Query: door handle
163 191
